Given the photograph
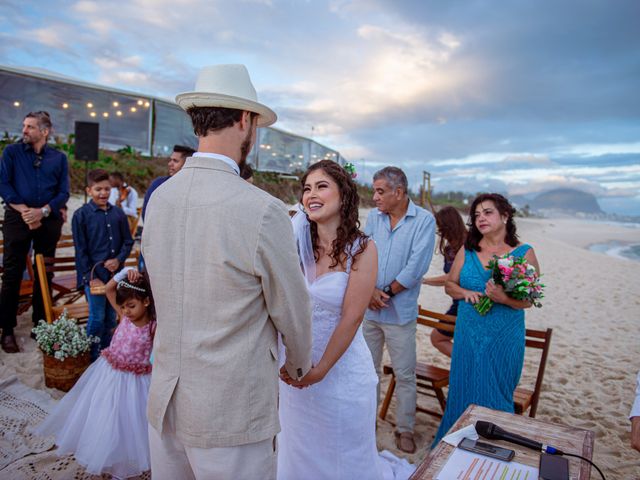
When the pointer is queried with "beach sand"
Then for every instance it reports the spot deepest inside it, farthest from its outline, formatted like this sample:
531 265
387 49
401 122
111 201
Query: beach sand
592 303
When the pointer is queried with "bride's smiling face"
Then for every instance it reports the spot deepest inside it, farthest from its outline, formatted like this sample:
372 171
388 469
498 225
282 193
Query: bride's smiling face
321 197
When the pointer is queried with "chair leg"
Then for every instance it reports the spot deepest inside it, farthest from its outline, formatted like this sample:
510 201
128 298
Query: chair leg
387 397
441 399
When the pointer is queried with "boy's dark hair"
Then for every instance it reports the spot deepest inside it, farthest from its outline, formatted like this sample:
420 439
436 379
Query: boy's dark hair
212 119
97 175
117 175
246 172
125 292
183 150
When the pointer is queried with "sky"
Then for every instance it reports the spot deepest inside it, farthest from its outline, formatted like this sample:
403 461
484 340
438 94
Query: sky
517 96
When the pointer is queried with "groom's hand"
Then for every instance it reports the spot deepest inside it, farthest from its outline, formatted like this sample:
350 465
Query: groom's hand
286 378
315 375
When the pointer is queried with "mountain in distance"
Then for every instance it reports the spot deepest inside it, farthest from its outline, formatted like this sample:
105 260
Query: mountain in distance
566 200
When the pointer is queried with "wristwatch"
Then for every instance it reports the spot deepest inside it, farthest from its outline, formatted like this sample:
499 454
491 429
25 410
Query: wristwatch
45 211
387 290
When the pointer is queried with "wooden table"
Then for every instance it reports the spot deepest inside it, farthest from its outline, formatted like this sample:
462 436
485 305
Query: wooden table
567 439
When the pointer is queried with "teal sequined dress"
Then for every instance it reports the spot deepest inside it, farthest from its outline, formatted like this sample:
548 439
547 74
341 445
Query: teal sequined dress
488 351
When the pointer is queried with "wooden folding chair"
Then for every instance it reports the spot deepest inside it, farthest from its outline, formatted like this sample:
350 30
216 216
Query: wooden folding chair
79 310
430 378
64 282
133 222
65 241
523 398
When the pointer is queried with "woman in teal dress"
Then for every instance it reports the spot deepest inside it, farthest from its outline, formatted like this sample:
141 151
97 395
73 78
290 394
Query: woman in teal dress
488 351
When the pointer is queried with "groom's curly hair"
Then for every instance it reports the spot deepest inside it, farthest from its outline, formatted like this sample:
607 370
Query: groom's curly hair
349 229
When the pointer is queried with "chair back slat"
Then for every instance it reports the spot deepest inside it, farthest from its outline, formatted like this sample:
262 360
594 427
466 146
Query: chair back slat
546 334
440 321
47 303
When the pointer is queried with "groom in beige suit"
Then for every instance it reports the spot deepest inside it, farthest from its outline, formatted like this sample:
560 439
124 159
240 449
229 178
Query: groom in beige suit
226 280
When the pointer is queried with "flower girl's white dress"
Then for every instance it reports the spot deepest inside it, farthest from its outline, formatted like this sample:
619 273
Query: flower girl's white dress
102 420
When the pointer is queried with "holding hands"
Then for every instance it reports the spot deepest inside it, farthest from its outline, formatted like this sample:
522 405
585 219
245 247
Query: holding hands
314 375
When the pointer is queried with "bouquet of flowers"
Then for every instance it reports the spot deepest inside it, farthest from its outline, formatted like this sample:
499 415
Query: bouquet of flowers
518 278
63 338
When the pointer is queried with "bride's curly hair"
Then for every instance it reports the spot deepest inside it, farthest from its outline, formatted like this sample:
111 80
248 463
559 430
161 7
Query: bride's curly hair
349 229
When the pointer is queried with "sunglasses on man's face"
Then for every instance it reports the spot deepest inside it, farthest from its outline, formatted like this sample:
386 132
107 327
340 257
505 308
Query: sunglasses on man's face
37 162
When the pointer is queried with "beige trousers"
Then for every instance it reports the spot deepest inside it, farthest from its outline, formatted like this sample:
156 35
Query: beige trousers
401 344
172 460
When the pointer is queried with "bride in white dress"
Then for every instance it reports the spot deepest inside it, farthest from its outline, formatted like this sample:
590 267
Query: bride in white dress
328 418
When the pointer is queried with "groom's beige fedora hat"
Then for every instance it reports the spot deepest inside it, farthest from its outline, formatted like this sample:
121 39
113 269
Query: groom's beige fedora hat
227 86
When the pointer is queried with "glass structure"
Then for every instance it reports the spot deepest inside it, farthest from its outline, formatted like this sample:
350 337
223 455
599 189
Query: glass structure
148 124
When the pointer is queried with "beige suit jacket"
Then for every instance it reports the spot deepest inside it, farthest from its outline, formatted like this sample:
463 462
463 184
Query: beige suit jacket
226 279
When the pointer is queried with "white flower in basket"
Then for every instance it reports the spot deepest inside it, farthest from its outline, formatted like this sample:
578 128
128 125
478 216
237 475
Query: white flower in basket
63 338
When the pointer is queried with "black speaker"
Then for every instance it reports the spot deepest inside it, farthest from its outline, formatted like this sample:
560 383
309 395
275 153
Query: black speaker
87 137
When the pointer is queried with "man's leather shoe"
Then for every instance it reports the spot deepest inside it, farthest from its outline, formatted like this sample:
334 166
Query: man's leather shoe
9 344
405 442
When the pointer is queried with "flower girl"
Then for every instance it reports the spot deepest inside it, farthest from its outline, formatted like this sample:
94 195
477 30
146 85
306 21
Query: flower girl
102 420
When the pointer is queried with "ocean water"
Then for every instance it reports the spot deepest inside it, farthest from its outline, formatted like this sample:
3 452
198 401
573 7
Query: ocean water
618 249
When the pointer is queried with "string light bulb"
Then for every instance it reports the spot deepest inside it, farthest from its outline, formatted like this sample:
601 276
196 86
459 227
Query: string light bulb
89 105
105 114
93 114
16 104
134 109
65 105
119 113
115 104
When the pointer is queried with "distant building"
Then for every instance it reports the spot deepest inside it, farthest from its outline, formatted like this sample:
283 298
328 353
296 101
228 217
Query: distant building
149 124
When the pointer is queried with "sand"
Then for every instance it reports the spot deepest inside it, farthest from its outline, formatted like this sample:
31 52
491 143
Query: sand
592 303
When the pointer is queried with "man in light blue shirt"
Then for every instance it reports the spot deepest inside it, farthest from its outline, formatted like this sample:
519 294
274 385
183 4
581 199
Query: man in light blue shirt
405 237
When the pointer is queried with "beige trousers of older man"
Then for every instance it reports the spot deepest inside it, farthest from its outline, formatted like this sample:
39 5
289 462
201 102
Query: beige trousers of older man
173 460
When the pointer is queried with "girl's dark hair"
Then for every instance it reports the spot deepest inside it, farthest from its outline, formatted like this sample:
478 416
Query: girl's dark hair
349 229
124 293
452 231
504 207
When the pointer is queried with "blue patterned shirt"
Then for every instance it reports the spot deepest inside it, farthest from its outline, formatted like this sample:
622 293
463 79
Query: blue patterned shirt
404 255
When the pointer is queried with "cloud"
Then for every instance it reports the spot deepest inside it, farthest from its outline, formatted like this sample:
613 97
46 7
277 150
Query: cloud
508 98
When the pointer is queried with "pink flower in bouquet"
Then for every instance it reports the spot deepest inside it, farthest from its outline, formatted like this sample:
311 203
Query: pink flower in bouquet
56 346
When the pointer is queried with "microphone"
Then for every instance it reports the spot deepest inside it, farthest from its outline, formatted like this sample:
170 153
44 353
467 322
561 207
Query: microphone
494 432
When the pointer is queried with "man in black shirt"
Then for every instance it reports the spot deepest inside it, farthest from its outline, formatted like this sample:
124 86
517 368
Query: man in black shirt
34 184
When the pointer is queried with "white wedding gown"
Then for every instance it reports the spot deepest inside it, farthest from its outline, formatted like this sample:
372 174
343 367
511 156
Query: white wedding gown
329 429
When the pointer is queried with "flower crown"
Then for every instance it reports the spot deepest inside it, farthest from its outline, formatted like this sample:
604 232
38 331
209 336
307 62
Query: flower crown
122 283
351 169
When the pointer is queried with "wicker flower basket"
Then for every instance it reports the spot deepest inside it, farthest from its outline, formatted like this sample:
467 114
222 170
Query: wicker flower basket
64 375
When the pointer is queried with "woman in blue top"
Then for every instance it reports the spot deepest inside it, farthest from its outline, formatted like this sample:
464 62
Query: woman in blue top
488 351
